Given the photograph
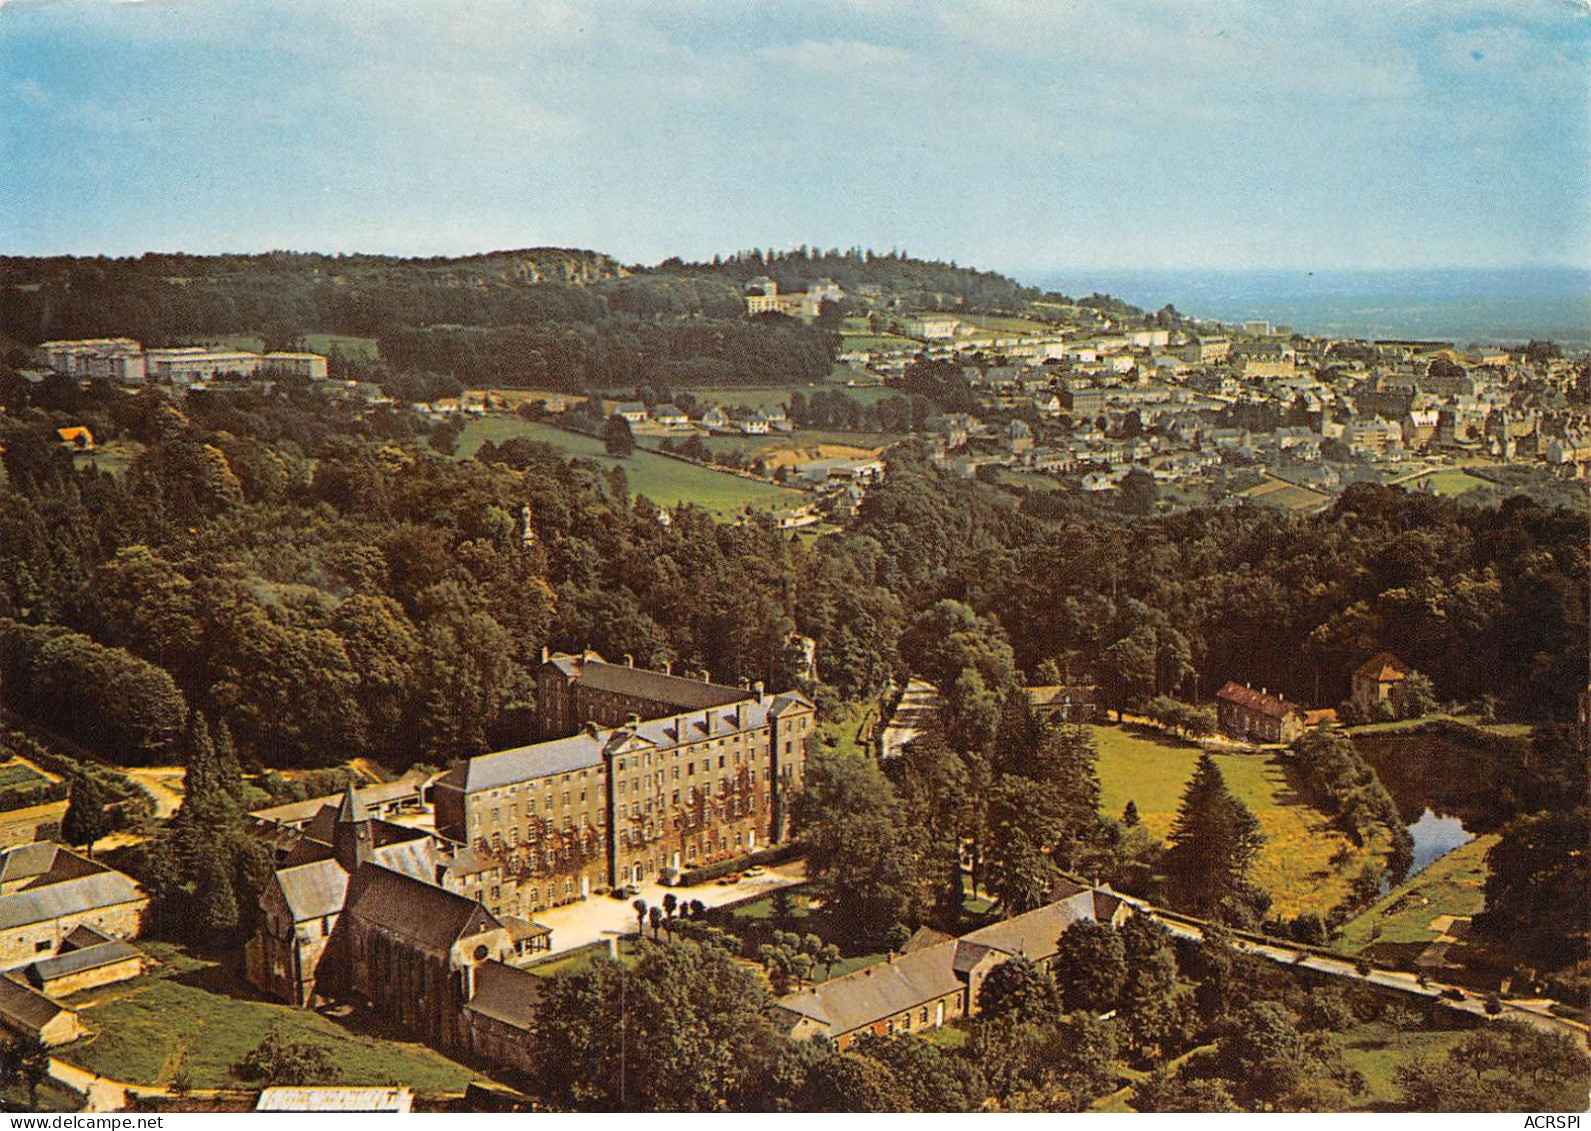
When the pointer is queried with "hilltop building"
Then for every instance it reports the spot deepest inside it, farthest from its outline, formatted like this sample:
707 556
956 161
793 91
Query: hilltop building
126 362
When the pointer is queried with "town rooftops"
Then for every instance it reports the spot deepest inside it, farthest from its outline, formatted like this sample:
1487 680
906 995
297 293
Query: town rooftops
586 749
1259 701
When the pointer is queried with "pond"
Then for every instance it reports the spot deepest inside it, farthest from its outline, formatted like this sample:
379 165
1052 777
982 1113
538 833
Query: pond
1434 837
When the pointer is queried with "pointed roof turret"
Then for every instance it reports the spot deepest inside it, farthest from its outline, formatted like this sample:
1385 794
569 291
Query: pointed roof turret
352 810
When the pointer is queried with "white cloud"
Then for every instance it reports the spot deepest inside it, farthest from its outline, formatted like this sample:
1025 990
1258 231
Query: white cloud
835 57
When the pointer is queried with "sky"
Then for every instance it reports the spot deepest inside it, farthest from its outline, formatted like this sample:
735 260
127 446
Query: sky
1019 135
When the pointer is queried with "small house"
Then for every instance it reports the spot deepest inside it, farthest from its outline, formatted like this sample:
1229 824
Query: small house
1257 716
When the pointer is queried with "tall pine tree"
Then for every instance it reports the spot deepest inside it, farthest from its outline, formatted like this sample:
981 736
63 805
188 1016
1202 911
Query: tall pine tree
86 819
1213 842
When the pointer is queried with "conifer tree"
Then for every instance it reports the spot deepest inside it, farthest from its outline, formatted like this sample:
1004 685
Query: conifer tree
86 819
1213 842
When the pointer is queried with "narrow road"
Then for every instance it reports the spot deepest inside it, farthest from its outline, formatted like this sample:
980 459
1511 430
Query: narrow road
918 705
1535 1012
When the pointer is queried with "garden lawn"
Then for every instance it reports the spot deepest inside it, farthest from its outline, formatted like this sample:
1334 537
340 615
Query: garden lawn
665 481
583 957
194 1014
1378 1050
1295 864
757 397
755 920
1449 483
850 342
1451 885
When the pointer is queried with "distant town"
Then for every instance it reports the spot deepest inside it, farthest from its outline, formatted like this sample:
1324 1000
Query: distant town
815 681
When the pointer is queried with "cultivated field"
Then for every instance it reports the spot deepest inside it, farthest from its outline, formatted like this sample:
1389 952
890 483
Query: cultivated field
665 481
1295 865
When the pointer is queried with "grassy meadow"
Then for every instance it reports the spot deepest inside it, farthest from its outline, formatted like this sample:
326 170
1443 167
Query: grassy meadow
1295 864
665 481
195 1015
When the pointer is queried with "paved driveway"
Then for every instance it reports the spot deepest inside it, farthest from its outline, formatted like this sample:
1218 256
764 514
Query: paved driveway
579 924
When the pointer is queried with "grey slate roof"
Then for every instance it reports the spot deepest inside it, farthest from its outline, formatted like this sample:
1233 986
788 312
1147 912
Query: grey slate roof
431 917
24 1008
313 891
584 751
85 958
507 994
1033 934
45 901
686 694
415 858
27 860
882 990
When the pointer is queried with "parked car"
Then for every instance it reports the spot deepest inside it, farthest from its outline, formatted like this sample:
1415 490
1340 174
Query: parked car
732 878
755 870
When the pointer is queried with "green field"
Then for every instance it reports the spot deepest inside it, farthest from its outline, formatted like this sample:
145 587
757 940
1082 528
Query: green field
196 1015
1452 885
801 439
1448 483
760 397
665 481
113 458
1503 730
364 349
1295 863
865 341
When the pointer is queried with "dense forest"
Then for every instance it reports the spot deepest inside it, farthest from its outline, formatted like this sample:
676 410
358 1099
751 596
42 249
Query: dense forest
541 318
396 598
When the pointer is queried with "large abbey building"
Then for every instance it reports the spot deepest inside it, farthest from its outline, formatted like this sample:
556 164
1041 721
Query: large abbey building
641 772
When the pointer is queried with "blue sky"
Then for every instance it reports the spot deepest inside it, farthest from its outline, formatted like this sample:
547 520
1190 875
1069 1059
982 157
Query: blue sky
1013 134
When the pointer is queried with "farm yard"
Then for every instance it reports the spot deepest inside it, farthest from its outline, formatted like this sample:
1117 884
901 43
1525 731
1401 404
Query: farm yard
1306 865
